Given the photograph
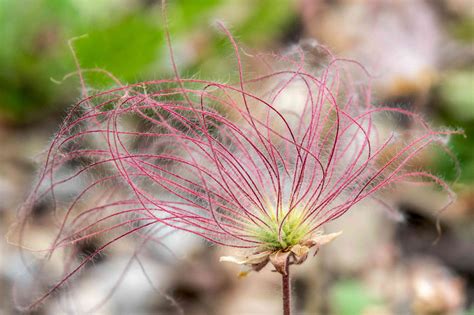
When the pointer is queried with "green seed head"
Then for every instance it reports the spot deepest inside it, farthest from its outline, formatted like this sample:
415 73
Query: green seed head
292 232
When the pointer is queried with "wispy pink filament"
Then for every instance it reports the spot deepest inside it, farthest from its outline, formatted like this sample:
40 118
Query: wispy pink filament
219 160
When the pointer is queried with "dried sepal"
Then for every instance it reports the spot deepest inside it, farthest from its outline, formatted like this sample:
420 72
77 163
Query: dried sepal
300 253
253 259
281 258
321 239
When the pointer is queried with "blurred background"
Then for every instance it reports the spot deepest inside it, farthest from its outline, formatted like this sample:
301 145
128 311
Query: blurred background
421 54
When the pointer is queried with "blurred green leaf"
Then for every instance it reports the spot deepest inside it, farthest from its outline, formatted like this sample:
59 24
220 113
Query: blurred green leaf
457 93
125 37
184 14
349 297
456 99
263 24
464 29
126 48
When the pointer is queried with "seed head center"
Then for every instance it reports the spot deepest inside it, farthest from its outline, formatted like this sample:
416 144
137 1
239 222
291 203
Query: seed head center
282 233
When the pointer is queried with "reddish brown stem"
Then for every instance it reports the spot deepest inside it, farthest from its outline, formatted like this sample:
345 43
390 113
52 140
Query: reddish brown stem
286 291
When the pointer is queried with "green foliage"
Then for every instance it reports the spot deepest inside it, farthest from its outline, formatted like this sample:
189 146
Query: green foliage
124 37
184 15
462 148
464 29
349 297
28 58
457 94
126 48
262 24
456 97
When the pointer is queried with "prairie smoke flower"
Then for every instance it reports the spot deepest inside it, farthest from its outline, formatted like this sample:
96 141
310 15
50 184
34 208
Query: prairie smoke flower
261 165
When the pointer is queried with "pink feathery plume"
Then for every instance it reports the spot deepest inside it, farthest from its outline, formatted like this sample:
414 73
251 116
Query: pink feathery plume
261 165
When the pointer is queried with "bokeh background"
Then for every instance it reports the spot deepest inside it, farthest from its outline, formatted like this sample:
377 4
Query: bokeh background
421 55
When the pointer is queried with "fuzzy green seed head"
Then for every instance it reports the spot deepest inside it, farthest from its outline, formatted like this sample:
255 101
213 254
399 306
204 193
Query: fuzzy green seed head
293 231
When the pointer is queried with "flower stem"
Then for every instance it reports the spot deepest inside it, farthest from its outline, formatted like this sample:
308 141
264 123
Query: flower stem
286 291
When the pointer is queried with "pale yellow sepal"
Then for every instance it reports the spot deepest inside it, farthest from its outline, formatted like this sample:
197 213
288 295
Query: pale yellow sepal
322 239
247 260
293 255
